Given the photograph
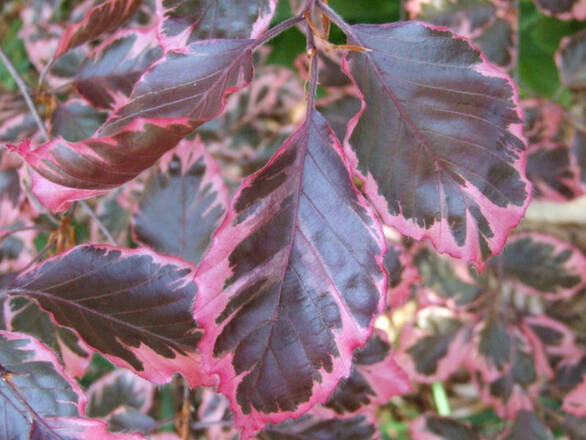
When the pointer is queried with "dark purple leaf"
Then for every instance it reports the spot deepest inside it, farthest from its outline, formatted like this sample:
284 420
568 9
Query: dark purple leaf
16 122
375 378
402 274
105 17
38 379
185 21
558 341
309 427
434 345
339 113
488 23
134 306
437 141
117 389
527 426
182 204
579 154
575 401
543 265
569 373
75 121
26 316
107 78
574 427
292 282
157 116
508 381
129 419
464 17
571 60
431 427
563 9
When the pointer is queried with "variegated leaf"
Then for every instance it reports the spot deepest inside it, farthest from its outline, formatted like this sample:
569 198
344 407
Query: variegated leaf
292 282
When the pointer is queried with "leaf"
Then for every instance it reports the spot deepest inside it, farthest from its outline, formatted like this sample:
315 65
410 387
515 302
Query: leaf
154 120
100 19
563 9
579 154
509 381
185 21
120 388
431 427
108 76
433 346
75 121
182 204
542 265
309 427
488 23
129 419
571 59
550 165
575 401
38 380
292 281
445 278
95 290
77 429
527 426
465 17
569 373
558 340
26 316
16 124
375 378
438 144
402 274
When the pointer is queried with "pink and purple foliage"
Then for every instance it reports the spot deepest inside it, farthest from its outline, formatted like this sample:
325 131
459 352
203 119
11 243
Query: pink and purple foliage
259 228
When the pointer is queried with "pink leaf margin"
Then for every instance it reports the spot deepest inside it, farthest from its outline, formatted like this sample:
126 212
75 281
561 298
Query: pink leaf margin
215 262
43 354
504 219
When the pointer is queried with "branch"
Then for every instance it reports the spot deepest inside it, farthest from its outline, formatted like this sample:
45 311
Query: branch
23 90
99 222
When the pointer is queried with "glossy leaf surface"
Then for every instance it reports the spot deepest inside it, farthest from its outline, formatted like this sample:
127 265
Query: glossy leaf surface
182 204
131 305
292 281
438 139
105 17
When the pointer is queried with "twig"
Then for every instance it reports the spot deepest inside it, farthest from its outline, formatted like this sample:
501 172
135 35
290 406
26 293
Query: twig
99 222
23 90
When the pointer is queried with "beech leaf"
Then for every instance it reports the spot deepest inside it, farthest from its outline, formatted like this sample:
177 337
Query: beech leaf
133 306
176 95
182 204
292 281
105 17
571 60
543 265
36 377
185 21
374 379
563 9
432 427
438 138
107 77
